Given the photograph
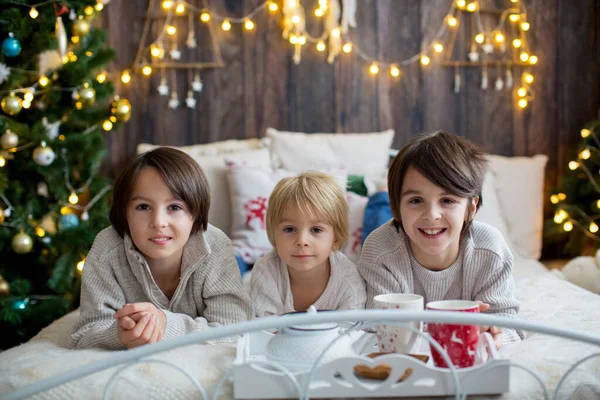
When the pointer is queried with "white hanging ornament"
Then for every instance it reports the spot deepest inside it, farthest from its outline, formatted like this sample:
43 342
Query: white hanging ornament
43 155
42 189
191 41
456 81
499 84
488 48
61 37
197 84
4 72
484 80
51 128
163 89
7 212
509 78
85 216
474 56
72 14
190 101
174 101
9 140
175 53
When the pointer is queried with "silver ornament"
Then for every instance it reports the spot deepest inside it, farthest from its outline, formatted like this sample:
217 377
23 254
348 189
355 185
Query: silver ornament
9 140
43 155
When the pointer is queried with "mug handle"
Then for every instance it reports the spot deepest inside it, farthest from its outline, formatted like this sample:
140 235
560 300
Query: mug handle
486 349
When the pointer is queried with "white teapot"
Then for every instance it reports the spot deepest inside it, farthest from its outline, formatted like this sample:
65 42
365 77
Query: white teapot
298 347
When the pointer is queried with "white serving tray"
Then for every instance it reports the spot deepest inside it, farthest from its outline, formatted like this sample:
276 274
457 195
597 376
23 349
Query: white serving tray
255 378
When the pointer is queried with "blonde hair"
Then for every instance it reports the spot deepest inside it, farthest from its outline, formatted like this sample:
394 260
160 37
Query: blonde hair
313 194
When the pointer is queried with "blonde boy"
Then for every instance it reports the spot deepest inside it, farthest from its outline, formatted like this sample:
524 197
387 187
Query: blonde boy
307 224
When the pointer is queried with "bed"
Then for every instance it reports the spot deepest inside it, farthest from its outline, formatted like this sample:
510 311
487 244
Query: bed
512 202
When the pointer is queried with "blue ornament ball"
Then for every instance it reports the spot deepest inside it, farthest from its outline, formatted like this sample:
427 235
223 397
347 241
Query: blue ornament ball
11 47
68 221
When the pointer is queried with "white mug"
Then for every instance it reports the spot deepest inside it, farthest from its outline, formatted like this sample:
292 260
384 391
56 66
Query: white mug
393 338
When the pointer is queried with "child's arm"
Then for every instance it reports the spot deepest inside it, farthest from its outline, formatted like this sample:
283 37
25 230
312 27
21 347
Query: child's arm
101 296
264 290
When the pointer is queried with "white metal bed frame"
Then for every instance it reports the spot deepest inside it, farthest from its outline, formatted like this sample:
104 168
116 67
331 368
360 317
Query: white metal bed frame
370 317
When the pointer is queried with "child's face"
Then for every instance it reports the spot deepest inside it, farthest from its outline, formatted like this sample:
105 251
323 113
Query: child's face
159 224
432 219
303 243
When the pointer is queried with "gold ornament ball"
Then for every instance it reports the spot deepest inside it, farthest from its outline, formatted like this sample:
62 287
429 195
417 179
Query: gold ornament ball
81 27
121 109
22 243
9 140
11 104
1 215
48 224
4 287
87 96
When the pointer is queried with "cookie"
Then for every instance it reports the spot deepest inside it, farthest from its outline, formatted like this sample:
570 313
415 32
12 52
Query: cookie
382 372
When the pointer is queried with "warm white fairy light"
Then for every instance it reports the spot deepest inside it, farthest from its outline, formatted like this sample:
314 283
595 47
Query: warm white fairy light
89 10
522 92
147 70
438 47
479 38
204 16
126 77
461 3
472 6
568 226
514 17
180 9
226 25
533 60
517 43
499 37
585 154
527 77
107 125
319 12
167 4
248 24
451 21
273 6
171 30
374 69
425 60
347 48
33 13
73 198
394 71
321 46
524 56
101 77
302 40
80 265
585 133
525 26
99 6
522 103
573 165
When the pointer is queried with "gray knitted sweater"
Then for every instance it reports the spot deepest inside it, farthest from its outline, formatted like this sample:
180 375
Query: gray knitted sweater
210 291
482 271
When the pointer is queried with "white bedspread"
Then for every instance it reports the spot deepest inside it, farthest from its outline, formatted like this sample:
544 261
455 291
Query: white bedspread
544 299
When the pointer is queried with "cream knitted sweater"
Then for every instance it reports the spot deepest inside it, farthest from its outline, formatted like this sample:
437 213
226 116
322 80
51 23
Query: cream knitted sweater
210 291
482 271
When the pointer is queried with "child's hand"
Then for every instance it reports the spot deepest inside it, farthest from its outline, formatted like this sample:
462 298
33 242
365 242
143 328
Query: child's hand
495 331
134 313
145 331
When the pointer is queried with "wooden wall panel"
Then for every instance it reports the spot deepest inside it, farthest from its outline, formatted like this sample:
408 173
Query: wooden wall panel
260 86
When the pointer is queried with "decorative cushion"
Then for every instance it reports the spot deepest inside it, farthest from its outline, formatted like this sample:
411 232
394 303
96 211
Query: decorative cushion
358 153
520 190
215 170
356 206
250 188
209 149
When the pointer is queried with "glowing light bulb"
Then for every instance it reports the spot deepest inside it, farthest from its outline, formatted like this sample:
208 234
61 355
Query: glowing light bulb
573 165
26 104
99 6
598 204
273 6
479 38
75 39
451 21
394 71
593 227
180 9
248 24
472 6
167 4
101 78
557 218
294 39
425 60
554 199
524 56
43 80
295 19
73 198
321 46
517 43
525 26
585 133
522 92
533 60
2 161
171 30
40 232
585 154
89 10
319 12
347 48
438 47
562 196
125 77
335 33
28 96
461 3
523 103
155 50
527 77
302 40
107 125
374 69
226 25
568 226
33 13
204 17
80 265
514 17
499 37
147 70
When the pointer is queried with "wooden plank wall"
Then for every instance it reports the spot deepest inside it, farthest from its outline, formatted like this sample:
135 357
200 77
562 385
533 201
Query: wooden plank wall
260 87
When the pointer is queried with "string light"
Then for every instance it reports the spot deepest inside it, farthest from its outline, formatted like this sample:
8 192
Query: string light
568 226
472 6
40 232
107 125
479 38
585 154
319 12
499 37
89 10
101 78
533 60
180 9
593 227
438 47
171 30
302 40
585 133
394 71
167 4
554 199
524 56
562 196
557 218
321 46
523 103
73 198
147 70
461 3
451 21
248 24
517 43
80 265
573 165
347 48
204 17
514 17
226 25
598 204
2 161
374 69
525 26
527 77
43 80
126 77
99 6
425 60
273 6
33 13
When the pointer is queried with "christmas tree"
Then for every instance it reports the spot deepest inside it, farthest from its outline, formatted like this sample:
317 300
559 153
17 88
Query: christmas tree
573 230
57 105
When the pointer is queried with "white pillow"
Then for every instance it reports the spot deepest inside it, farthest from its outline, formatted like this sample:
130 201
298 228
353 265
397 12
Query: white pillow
520 191
215 170
358 153
356 206
250 189
226 146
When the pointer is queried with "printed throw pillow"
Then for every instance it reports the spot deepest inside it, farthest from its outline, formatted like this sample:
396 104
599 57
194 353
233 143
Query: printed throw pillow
356 206
250 188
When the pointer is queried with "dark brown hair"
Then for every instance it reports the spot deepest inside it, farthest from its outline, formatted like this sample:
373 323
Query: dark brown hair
182 175
449 161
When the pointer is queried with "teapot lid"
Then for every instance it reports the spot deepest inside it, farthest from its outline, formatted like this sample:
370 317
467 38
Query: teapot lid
323 326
